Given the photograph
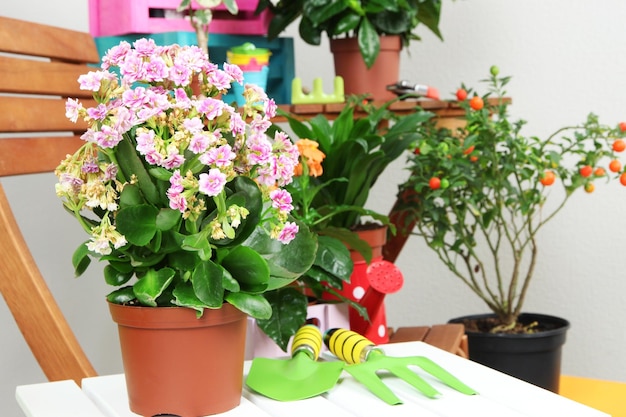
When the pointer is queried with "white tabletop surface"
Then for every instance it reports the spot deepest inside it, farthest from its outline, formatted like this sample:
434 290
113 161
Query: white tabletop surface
499 395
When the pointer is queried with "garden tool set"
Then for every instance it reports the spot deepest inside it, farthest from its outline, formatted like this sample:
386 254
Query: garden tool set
302 377
299 377
364 360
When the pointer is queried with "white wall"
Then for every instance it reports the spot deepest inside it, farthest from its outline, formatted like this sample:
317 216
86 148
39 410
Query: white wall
567 58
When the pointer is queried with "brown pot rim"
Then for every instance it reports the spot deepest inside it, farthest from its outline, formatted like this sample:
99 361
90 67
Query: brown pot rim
387 42
172 317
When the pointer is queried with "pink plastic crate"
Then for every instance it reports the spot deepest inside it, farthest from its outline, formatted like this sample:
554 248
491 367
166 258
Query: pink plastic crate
124 17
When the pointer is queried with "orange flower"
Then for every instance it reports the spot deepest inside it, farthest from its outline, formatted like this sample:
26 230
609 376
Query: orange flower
313 157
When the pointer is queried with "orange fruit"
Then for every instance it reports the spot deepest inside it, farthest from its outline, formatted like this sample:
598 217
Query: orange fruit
599 172
461 94
473 158
615 165
469 150
477 103
589 187
622 126
434 183
622 179
619 145
586 171
547 178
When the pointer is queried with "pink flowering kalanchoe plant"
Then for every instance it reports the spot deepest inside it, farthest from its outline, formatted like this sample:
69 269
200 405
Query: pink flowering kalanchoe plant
181 193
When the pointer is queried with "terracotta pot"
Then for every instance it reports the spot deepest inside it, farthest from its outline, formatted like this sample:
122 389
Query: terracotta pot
178 364
357 78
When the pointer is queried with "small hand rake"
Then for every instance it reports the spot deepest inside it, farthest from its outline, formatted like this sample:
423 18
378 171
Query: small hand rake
364 360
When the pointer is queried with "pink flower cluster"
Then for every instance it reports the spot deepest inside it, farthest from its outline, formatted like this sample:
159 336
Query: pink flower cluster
165 100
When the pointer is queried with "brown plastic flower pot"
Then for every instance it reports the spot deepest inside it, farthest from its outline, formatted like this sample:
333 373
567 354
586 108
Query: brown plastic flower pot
178 364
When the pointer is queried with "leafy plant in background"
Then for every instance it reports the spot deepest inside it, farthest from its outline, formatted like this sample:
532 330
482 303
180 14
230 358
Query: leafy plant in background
366 20
332 266
483 193
340 162
182 197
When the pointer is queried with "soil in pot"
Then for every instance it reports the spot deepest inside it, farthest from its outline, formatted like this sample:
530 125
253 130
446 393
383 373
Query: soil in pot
533 357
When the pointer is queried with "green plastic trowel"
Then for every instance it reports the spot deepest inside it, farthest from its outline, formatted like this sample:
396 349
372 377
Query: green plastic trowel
298 377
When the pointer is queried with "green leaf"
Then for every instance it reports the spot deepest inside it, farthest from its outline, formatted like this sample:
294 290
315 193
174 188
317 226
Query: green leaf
121 295
319 13
286 263
137 223
352 240
334 257
369 43
228 282
183 260
253 305
115 277
81 259
185 296
160 174
130 164
131 196
167 219
152 284
207 284
428 13
231 6
247 267
289 312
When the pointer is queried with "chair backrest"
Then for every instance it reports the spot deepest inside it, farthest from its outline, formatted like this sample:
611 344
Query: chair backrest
39 67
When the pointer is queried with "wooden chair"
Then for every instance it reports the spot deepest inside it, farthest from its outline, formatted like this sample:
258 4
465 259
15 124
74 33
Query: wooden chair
39 67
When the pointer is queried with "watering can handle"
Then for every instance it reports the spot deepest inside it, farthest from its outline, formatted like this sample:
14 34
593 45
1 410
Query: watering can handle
349 346
307 339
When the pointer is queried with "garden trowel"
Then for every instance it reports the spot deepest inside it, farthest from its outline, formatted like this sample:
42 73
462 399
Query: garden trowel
364 360
298 377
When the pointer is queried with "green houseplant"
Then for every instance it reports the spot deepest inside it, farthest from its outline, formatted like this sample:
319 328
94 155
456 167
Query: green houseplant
482 194
330 192
366 20
182 195
360 32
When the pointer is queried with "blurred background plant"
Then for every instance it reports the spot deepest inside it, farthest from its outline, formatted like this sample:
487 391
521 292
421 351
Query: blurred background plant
481 192
340 162
366 20
201 17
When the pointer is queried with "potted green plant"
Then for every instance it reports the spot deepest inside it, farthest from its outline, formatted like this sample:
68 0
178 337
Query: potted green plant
341 161
183 197
480 197
360 29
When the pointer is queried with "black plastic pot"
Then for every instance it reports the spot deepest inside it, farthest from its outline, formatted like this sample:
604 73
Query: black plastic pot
534 358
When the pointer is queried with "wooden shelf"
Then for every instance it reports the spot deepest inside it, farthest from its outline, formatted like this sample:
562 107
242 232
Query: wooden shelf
441 108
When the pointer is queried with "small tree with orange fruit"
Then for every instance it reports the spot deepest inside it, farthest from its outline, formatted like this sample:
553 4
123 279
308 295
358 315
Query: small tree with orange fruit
482 192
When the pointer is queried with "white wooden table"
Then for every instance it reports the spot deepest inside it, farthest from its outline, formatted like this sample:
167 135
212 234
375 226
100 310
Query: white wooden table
499 396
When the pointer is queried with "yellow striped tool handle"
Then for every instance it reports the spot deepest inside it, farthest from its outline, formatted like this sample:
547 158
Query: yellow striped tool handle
349 346
308 339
